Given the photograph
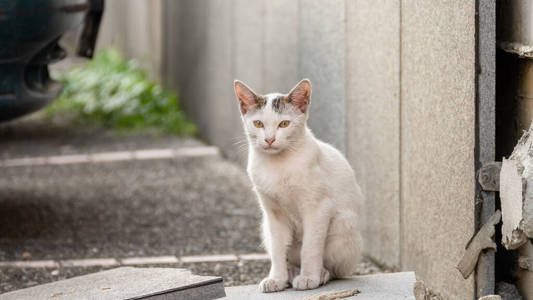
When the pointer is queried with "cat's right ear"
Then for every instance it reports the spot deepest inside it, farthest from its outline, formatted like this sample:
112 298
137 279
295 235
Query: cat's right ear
247 97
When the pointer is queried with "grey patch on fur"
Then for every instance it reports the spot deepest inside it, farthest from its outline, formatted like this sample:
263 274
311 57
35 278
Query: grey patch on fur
259 101
278 103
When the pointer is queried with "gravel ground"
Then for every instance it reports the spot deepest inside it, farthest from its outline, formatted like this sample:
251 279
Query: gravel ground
135 208
197 206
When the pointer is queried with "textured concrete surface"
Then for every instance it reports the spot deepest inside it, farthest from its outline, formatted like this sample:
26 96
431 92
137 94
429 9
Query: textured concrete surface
486 124
280 41
321 51
219 115
129 26
487 81
392 286
373 119
437 141
127 283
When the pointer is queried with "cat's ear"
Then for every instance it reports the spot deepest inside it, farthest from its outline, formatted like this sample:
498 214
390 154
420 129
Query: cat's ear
247 97
300 95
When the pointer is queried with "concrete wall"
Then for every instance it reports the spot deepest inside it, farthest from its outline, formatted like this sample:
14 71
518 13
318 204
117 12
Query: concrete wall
410 86
130 27
270 45
393 88
211 43
437 141
321 53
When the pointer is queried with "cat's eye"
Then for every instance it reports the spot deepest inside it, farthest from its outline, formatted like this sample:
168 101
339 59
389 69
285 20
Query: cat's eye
284 124
258 124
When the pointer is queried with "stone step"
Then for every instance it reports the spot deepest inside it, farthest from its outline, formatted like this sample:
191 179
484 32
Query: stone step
127 283
386 286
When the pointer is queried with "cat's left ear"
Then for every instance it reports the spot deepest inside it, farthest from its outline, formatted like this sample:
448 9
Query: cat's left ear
300 95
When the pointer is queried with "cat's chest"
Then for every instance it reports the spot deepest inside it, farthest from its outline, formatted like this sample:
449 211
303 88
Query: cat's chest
276 180
281 184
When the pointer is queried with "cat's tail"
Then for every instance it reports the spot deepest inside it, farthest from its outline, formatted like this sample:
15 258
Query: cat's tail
342 255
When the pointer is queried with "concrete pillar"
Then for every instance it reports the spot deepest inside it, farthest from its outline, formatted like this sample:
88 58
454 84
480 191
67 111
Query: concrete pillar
186 56
437 141
373 119
220 118
486 133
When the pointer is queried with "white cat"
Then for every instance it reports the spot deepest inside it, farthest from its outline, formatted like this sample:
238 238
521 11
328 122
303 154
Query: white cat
309 197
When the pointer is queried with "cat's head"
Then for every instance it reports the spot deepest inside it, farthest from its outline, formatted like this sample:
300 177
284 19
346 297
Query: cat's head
274 122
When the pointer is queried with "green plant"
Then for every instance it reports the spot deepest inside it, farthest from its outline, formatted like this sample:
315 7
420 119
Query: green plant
118 93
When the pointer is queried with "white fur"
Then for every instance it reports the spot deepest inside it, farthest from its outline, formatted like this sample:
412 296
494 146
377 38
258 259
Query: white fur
310 201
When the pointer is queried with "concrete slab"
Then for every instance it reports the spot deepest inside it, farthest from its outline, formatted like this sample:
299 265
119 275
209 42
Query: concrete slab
388 286
127 283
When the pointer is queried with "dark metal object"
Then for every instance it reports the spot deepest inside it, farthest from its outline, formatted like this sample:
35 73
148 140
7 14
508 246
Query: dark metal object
489 176
89 34
29 35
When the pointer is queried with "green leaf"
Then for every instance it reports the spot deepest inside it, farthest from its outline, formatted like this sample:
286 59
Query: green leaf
117 93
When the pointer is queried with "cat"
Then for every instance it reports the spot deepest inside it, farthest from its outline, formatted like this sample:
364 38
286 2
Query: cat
307 191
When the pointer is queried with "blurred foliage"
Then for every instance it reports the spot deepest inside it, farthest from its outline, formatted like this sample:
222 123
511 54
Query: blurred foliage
118 93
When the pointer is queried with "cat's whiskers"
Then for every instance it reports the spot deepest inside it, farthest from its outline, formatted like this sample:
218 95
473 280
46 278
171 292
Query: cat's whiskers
241 139
241 143
292 145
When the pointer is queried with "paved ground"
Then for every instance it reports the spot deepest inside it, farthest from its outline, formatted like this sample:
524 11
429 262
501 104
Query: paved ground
393 286
166 207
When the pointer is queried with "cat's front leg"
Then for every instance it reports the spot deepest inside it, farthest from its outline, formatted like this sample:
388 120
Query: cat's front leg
277 238
312 273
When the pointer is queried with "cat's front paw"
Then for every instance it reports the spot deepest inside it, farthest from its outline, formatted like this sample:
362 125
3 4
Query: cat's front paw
269 285
302 282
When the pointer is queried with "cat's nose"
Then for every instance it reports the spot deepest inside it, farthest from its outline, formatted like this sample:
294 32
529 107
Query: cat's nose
270 141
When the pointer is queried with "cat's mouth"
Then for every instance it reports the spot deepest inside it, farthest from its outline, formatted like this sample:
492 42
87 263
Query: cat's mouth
270 149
